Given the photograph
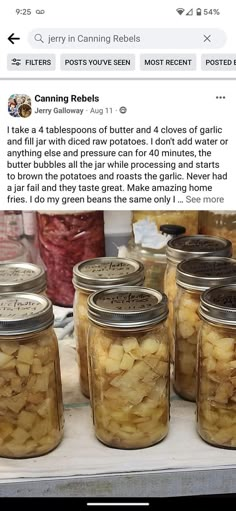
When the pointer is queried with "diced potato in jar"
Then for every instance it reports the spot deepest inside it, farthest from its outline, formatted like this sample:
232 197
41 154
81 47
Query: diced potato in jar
130 344
9 347
186 329
186 334
138 392
216 389
31 407
26 420
112 366
149 345
36 366
20 435
127 362
5 430
187 364
4 359
25 354
116 352
23 369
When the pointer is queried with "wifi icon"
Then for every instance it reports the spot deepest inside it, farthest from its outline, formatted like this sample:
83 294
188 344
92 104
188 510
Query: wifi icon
180 10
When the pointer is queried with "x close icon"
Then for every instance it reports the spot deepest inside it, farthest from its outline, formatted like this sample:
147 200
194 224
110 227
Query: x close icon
207 38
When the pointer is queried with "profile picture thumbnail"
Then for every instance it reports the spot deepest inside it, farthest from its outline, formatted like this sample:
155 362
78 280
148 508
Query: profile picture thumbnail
19 105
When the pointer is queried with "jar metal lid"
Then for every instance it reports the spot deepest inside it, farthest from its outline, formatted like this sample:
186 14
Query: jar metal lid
172 229
105 272
23 313
186 247
22 277
218 305
201 273
127 307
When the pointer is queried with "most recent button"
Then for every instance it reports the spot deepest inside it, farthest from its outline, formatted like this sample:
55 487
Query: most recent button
219 62
97 62
31 62
168 62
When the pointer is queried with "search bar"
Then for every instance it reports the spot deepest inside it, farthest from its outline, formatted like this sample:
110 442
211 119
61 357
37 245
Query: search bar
154 38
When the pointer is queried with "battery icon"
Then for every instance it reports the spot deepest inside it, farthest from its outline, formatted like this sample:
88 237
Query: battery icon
199 12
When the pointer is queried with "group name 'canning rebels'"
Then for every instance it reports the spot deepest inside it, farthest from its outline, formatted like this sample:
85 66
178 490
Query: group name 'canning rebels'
66 99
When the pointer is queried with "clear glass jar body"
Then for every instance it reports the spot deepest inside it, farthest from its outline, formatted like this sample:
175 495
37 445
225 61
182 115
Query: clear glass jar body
64 240
188 219
129 384
31 408
154 262
217 223
81 326
187 323
12 251
216 396
13 224
170 289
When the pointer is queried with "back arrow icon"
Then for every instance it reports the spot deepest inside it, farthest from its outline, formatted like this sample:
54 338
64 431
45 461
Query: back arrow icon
11 38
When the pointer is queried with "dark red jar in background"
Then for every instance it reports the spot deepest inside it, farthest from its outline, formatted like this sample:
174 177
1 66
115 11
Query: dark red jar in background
65 239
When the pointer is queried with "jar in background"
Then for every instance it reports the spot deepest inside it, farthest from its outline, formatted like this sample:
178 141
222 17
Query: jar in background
31 409
129 366
188 219
117 228
219 223
187 247
193 277
29 224
216 397
154 257
154 264
88 277
64 240
13 251
13 224
22 277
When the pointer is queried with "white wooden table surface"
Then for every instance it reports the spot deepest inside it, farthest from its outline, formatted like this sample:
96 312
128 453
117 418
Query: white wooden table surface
81 466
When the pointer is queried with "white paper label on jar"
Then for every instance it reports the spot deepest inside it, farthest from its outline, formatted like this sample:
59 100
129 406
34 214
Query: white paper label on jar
16 275
127 301
13 307
109 269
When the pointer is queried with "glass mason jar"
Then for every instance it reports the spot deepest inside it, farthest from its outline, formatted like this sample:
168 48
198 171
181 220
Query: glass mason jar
13 224
31 409
193 277
22 277
153 254
187 247
88 277
64 240
129 366
216 397
154 265
13 252
219 223
188 219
